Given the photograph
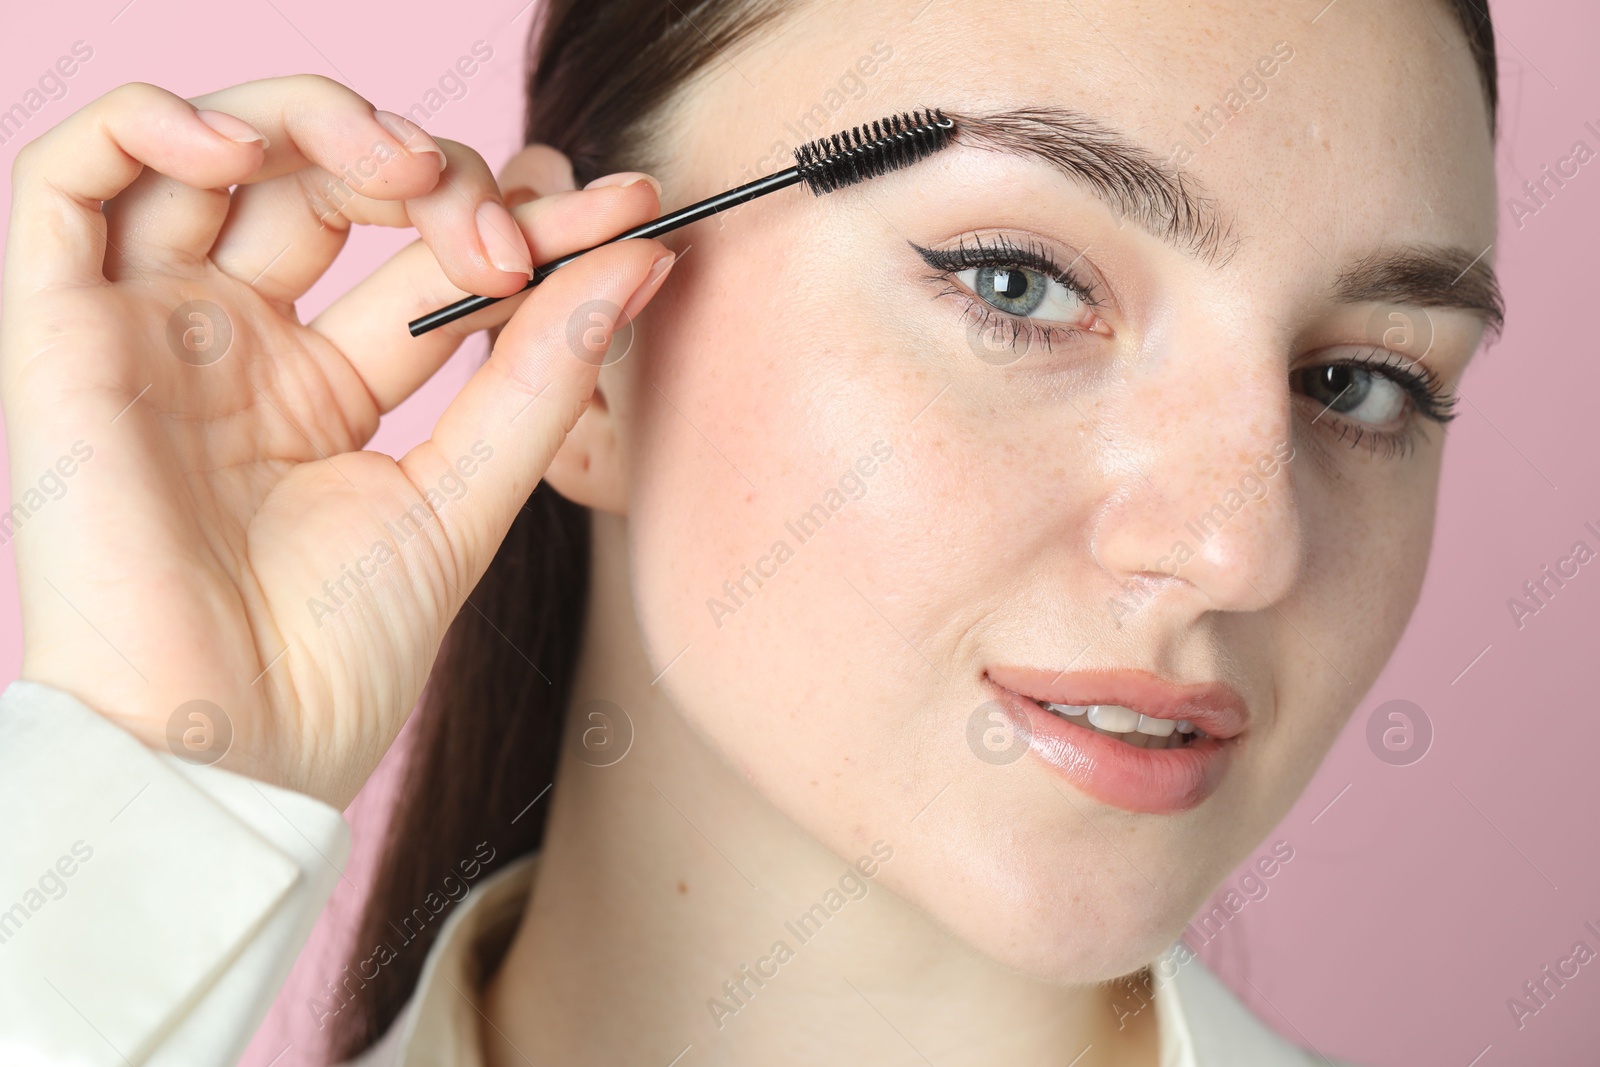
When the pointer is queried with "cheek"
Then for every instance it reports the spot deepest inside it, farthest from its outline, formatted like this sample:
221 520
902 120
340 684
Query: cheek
819 509
827 643
790 526
774 516
1369 534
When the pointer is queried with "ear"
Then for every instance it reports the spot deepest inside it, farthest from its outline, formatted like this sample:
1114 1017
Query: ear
537 170
587 468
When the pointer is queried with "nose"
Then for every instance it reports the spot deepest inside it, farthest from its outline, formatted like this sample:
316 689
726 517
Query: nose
1199 459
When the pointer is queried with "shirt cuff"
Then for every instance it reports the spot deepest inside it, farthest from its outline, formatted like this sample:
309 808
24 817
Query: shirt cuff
149 908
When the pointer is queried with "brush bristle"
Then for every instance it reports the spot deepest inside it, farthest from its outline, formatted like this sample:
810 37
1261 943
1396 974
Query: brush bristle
867 151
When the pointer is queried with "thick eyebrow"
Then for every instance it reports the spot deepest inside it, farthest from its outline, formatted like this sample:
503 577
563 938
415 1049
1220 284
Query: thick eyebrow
1173 206
1427 276
1121 172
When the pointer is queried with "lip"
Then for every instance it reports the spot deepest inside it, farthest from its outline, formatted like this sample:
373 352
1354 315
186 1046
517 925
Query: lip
1146 781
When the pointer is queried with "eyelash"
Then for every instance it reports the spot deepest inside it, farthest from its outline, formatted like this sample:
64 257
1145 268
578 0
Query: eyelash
1003 252
1429 399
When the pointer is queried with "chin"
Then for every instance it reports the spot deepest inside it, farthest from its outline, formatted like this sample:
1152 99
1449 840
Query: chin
1076 913
1098 941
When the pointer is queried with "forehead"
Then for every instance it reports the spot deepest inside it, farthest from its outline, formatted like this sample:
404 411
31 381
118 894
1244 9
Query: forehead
1365 126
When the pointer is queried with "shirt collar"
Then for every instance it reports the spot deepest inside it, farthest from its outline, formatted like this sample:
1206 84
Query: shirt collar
1199 1020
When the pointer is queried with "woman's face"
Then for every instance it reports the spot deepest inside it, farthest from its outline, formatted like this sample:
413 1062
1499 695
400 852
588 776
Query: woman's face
1108 445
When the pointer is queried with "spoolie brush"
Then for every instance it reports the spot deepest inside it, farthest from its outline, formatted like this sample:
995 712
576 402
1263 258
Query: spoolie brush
825 165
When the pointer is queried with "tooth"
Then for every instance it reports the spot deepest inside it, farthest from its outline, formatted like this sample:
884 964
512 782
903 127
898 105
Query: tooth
1066 709
1185 726
1114 718
1155 727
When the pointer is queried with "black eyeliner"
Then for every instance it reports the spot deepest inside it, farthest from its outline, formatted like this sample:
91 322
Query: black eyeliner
1004 253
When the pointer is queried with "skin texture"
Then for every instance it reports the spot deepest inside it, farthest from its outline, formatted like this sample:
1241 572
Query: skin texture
825 719
215 496
829 710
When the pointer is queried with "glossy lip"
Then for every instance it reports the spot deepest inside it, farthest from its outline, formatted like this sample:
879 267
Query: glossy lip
1212 706
1147 781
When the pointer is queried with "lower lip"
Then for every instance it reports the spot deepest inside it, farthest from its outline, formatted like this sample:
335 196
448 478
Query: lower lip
1152 781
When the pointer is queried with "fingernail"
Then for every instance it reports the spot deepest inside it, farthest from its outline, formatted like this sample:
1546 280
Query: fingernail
231 128
502 239
409 134
647 288
624 179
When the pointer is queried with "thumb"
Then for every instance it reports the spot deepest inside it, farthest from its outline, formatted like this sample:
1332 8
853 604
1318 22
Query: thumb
501 431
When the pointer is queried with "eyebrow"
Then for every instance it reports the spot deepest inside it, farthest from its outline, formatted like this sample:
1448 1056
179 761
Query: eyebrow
1121 172
1427 276
1173 206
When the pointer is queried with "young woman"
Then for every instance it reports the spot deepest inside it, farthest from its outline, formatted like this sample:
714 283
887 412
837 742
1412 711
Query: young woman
872 653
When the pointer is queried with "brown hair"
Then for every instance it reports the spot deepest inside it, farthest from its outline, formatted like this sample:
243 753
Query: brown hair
1473 18
490 722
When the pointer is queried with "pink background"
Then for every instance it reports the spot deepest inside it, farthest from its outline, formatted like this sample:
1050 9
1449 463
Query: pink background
1419 897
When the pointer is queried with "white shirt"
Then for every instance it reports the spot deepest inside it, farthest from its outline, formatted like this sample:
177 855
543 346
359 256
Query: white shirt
150 909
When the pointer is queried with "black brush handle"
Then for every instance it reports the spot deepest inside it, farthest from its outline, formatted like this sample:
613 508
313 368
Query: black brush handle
665 224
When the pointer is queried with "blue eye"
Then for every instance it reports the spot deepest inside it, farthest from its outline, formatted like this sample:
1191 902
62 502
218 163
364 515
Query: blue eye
1374 387
1014 289
1023 282
1355 392
1373 396
1024 292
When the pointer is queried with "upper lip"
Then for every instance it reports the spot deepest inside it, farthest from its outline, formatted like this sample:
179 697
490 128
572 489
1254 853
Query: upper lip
1214 707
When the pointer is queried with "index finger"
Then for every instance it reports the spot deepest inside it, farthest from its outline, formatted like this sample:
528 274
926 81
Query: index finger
247 133
58 181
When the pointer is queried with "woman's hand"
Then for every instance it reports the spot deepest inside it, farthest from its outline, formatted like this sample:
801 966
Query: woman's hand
193 517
